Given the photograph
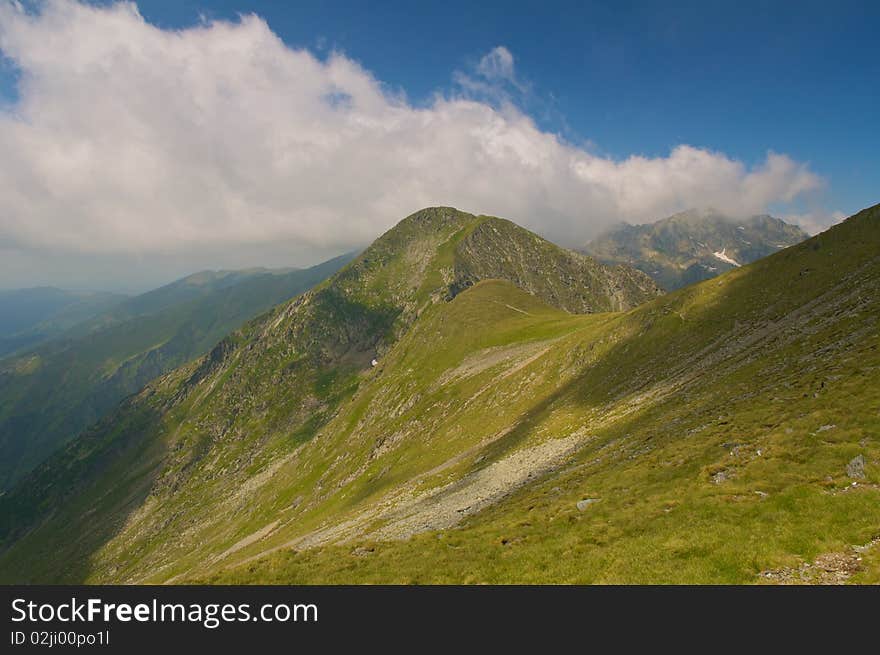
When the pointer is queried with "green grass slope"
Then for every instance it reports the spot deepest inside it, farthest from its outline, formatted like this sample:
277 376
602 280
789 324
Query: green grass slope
685 248
727 433
51 393
270 420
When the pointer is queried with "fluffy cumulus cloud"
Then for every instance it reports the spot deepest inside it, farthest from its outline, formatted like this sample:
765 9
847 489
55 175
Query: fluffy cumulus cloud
129 138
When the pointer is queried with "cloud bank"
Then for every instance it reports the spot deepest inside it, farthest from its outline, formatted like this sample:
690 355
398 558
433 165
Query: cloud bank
127 138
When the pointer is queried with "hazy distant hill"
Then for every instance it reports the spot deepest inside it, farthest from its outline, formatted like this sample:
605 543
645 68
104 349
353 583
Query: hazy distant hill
31 316
49 394
694 245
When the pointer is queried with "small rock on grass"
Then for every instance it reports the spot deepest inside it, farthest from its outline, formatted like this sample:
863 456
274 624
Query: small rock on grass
856 467
585 503
719 477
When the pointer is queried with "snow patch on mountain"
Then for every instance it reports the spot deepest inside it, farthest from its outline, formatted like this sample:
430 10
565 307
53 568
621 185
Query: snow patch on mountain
722 255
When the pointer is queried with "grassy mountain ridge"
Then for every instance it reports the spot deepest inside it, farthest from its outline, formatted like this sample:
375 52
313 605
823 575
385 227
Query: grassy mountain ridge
743 448
694 245
258 398
49 394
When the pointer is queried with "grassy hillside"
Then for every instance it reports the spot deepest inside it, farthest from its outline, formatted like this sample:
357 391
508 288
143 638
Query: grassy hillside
693 246
49 394
184 471
725 433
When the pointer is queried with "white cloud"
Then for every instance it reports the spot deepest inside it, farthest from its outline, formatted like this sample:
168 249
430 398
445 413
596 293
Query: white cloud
130 138
493 80
815 221
497 64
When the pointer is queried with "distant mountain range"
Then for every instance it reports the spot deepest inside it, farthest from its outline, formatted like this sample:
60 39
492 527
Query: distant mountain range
48 394
467 402
693 246
32 316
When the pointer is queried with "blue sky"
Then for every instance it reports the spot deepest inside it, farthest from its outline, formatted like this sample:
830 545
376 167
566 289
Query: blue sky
142 142
631 77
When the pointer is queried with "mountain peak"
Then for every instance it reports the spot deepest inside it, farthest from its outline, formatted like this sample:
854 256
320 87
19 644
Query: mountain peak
436 252
694 245
428 219
311 353
437 213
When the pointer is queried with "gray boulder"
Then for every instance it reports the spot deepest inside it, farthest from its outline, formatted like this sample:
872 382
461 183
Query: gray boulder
856 467
585 503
